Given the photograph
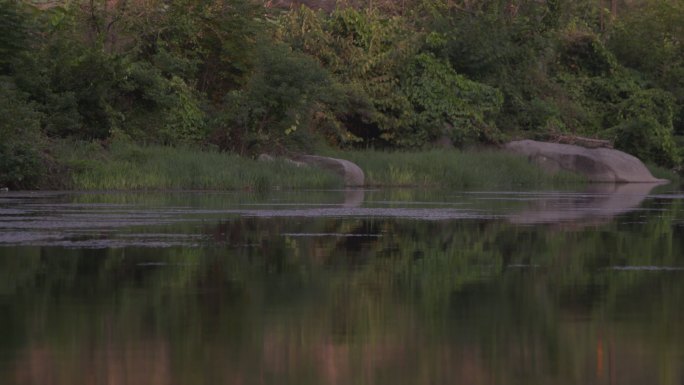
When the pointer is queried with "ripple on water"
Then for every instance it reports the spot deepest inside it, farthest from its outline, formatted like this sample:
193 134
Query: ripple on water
332 235
408 213
647 268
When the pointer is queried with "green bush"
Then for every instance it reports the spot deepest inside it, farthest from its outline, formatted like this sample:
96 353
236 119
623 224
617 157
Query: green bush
366 52
13 32
648 141
158 108
650 40
510 53
73 85
646 129
88 92
276 105
583 52
446 103
21 145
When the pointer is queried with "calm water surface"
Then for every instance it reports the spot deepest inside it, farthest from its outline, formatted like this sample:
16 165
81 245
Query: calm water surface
343 287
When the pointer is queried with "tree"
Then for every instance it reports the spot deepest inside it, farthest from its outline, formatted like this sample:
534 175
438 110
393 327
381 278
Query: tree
13 32
22 142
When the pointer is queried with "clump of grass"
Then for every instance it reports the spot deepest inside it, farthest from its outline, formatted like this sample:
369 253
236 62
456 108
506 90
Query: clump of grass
455 169
663 173
126 166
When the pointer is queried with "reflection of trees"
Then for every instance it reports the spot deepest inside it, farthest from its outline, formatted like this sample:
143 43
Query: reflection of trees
426 302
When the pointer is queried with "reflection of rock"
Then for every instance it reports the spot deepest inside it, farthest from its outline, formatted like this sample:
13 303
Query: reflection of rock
352 174
599 202
597 164
353 197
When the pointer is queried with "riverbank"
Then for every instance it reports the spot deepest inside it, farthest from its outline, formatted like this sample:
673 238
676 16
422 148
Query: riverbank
126 166
455 170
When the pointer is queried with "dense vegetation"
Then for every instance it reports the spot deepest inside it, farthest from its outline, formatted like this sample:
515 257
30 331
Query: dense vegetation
239 77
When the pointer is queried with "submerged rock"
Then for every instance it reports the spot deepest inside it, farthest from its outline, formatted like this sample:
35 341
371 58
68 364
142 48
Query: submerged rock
597 164
352 174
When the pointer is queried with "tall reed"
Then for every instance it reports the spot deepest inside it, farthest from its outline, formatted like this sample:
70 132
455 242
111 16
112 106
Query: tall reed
126 166
455 169
131 167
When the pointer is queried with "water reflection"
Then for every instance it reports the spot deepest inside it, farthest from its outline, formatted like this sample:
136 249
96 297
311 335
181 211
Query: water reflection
598 204
348 299
126 220
354 197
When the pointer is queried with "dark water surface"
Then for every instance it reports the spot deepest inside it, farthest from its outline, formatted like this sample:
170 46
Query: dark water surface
343 287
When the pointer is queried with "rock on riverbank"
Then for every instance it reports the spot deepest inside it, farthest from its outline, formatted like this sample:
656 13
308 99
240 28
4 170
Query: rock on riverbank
352 174
597 164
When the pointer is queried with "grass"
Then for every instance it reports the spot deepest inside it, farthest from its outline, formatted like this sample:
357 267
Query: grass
663 173
131 167
455 169
125 166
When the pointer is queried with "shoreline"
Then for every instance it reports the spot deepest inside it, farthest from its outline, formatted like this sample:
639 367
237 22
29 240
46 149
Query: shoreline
125 166
130 167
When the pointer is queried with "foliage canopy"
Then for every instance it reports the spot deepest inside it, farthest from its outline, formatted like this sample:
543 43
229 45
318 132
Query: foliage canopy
245 78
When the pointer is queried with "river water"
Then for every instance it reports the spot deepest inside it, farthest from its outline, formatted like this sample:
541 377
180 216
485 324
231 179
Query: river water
343 287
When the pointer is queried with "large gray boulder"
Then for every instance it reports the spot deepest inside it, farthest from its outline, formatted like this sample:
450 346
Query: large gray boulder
597 164
352 174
